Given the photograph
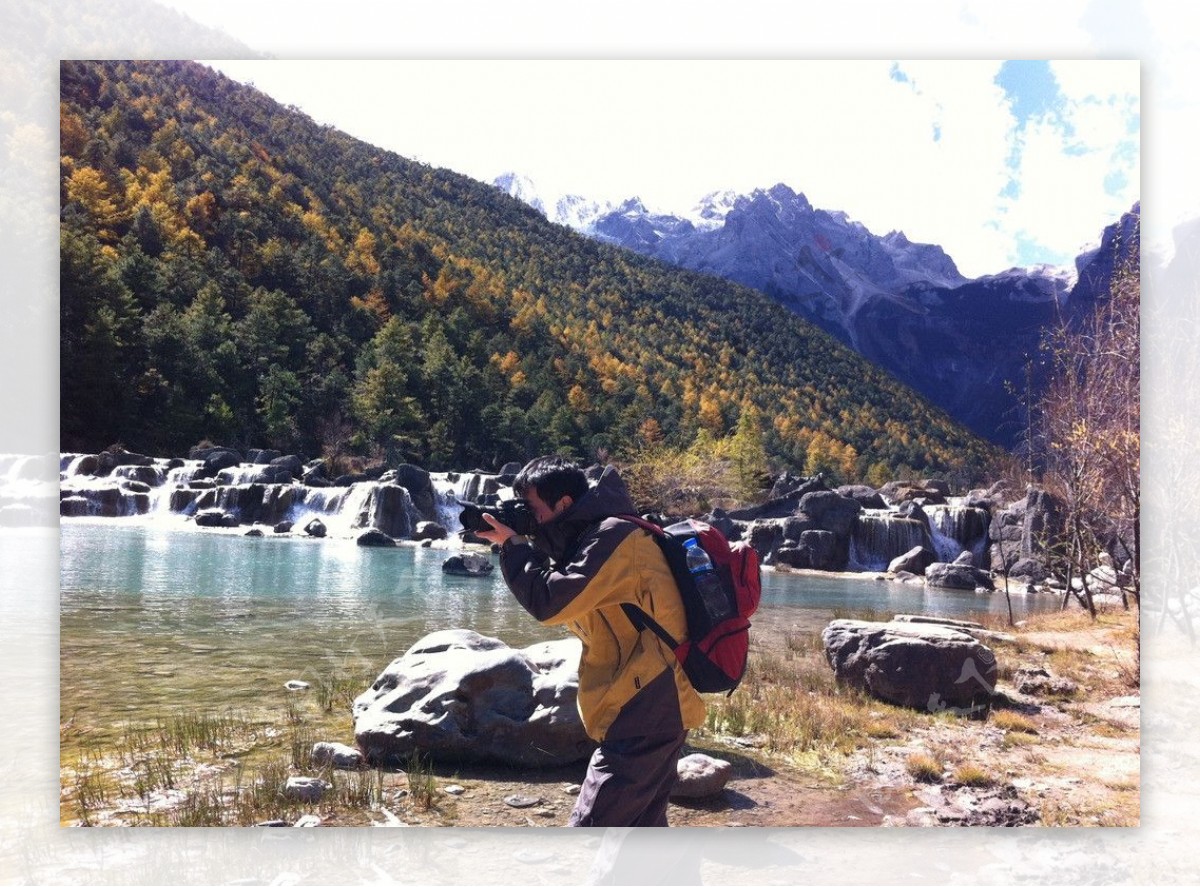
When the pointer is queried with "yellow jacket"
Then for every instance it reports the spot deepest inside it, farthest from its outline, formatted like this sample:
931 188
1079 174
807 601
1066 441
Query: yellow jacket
630 683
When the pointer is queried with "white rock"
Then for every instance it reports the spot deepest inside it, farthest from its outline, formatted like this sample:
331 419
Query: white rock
341 757
305 788
700 776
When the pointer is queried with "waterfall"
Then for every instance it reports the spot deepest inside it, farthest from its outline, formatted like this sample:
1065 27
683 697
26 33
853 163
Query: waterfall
69 463
957 528
881 536
449 488
178 490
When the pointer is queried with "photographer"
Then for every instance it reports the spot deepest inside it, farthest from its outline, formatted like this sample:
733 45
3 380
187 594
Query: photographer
580 566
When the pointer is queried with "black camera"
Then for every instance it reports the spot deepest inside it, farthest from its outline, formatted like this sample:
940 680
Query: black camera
514 513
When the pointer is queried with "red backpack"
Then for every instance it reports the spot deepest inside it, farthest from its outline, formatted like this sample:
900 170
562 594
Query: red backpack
714 656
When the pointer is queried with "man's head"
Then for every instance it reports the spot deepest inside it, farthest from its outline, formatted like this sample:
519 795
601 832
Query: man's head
552 484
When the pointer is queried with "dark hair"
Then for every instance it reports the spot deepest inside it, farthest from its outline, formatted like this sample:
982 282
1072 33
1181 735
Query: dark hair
553 477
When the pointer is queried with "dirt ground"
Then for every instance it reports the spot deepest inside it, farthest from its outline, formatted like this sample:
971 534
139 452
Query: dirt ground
1069 760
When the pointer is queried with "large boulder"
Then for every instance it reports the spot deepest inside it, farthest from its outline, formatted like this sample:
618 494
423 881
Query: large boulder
373 538
783 500
831 512
461 697
815 550
867 497
899 491
468 564
915 561
958 575
427 529
420 487
928 667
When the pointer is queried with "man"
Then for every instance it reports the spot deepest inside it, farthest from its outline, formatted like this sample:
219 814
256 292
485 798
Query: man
582 564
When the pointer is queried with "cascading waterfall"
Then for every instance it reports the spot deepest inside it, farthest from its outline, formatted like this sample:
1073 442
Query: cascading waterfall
957 528
881 536
450 487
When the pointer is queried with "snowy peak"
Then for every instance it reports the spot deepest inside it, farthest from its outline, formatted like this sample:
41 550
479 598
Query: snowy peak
571 210
520 187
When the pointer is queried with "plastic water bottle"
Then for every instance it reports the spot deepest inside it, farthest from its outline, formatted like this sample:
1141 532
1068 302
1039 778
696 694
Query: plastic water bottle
708 583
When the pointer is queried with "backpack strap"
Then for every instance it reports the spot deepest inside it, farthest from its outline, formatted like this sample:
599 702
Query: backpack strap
639 617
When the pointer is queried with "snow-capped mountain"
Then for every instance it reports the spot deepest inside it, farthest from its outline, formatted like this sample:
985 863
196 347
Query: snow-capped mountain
962 343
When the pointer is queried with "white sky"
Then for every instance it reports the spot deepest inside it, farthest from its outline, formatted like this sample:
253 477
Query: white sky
849 135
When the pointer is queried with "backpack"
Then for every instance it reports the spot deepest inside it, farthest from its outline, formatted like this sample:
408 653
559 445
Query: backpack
714 656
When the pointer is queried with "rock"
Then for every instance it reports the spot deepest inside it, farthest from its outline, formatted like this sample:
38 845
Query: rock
210 517
522 801
297 685
459 696
915 561
293 465
964 560
1036 681
967 806
572 789
112 458
73 506
254 532
272 823
375 539
305 788
700 776
308 821
338 756
316 527
929 667
217 460
427 529
388 508
817 550
898 492
262 457
784 499
794 527
867 497
795 486
766 536
420 489
961 576
831 512
473 565
455 790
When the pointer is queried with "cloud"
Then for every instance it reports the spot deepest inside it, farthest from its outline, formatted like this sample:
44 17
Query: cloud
922 146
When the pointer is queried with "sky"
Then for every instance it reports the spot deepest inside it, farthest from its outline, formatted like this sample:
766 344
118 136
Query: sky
1001 163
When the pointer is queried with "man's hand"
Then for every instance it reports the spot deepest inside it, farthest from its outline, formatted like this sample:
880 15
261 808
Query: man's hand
499 534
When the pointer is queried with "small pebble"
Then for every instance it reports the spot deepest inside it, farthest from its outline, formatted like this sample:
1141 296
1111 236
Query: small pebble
307 822
296 685
572 789
454 789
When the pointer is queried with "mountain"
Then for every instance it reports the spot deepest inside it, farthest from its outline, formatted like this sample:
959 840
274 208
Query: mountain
964 344
231 270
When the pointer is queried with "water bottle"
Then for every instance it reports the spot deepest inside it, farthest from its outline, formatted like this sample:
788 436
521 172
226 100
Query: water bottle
708 583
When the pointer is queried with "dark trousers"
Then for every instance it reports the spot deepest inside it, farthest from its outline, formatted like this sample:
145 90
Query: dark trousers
628 782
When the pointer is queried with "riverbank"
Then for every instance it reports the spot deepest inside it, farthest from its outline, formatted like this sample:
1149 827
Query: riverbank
1056 749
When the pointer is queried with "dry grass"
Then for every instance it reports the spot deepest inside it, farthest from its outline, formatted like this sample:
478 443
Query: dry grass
1012 722
923 768
974 776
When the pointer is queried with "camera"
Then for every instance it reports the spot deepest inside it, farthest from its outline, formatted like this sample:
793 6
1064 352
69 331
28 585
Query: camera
514 513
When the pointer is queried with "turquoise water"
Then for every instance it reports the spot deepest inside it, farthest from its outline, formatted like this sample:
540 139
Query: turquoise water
157 619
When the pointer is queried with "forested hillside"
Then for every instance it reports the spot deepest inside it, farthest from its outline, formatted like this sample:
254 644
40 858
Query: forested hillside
231 270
